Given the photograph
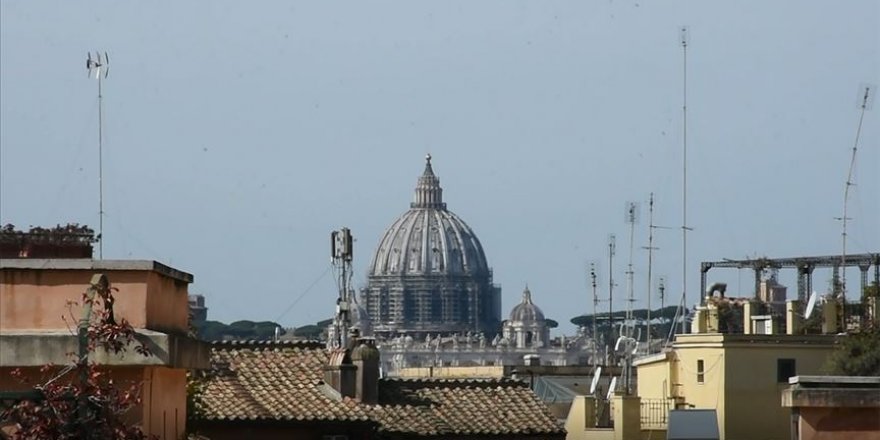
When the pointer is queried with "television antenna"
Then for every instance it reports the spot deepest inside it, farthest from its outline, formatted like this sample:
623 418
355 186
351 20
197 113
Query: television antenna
595 381
100 68
612 249
865 98
595 307
684 36
631 217
811 304
661 287
611 388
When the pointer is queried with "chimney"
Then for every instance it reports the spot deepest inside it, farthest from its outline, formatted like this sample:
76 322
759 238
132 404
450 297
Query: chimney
366 360
792 317
829 312
339 372
748 312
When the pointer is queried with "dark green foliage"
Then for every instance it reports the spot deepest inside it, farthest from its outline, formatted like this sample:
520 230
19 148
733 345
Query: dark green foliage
551 323
664 314
857 355
217 331
309 331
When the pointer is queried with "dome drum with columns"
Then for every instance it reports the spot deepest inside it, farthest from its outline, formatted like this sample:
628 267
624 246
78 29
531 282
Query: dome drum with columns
429 274
527 326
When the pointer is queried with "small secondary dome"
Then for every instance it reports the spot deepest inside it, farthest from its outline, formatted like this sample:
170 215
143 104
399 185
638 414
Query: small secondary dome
526 311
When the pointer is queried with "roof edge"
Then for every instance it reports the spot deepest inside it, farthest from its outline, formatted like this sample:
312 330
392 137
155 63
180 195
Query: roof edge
90 264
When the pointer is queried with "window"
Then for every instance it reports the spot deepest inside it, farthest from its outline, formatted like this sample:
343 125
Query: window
701 375
785 368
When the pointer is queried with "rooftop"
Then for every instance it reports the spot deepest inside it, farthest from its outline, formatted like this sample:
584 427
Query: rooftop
90 264
283 381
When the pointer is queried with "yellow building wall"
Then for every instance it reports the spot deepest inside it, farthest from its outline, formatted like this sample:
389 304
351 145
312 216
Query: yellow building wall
708 394
753 396
654 380
739 379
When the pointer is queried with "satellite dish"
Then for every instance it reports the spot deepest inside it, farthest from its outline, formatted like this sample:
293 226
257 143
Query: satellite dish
595 380
811 304
611 388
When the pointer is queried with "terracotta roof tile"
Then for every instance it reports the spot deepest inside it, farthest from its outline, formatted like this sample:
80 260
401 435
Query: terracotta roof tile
284 381
271 381
462 407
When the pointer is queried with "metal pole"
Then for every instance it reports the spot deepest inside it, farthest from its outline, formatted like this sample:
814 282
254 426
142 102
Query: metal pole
611 244
684 227
100 170
650 260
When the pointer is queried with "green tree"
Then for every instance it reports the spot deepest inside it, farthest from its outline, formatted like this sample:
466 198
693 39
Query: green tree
858 354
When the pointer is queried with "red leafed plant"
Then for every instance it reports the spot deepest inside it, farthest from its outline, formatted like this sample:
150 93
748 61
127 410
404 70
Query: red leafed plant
82 401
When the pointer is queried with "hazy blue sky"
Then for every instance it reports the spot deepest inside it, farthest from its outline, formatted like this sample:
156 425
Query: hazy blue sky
239 134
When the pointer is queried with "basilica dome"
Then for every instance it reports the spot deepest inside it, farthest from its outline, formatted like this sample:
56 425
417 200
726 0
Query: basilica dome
429 274
428 239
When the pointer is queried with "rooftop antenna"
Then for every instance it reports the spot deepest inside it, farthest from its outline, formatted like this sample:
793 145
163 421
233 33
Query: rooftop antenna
100 68
661 287
631 216
684 223
611 388
595 306
811 304
612 249
864 99
650 247
595 381
341 253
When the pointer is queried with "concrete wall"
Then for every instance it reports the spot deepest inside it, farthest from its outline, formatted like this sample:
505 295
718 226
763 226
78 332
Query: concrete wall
739 379
122 377
38 299
708 394
839 423
752 394
164 402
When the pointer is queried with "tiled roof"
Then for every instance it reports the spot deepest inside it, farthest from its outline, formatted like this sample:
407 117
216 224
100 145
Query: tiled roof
462 407
271 381
284 381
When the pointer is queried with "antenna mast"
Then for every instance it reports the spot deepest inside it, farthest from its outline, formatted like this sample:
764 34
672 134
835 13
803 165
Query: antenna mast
595 307
612 245
662 288
684 223
341 253
631 218
650 249
100 67
849 182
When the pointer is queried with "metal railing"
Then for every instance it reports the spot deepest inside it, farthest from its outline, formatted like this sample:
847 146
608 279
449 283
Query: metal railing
655 412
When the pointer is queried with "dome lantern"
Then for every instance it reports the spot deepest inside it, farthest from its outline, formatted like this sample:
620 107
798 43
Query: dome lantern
428 192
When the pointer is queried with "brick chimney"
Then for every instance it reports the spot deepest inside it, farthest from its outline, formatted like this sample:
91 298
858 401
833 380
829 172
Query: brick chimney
366 359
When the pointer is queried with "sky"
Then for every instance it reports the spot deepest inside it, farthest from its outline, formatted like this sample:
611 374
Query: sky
238 135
